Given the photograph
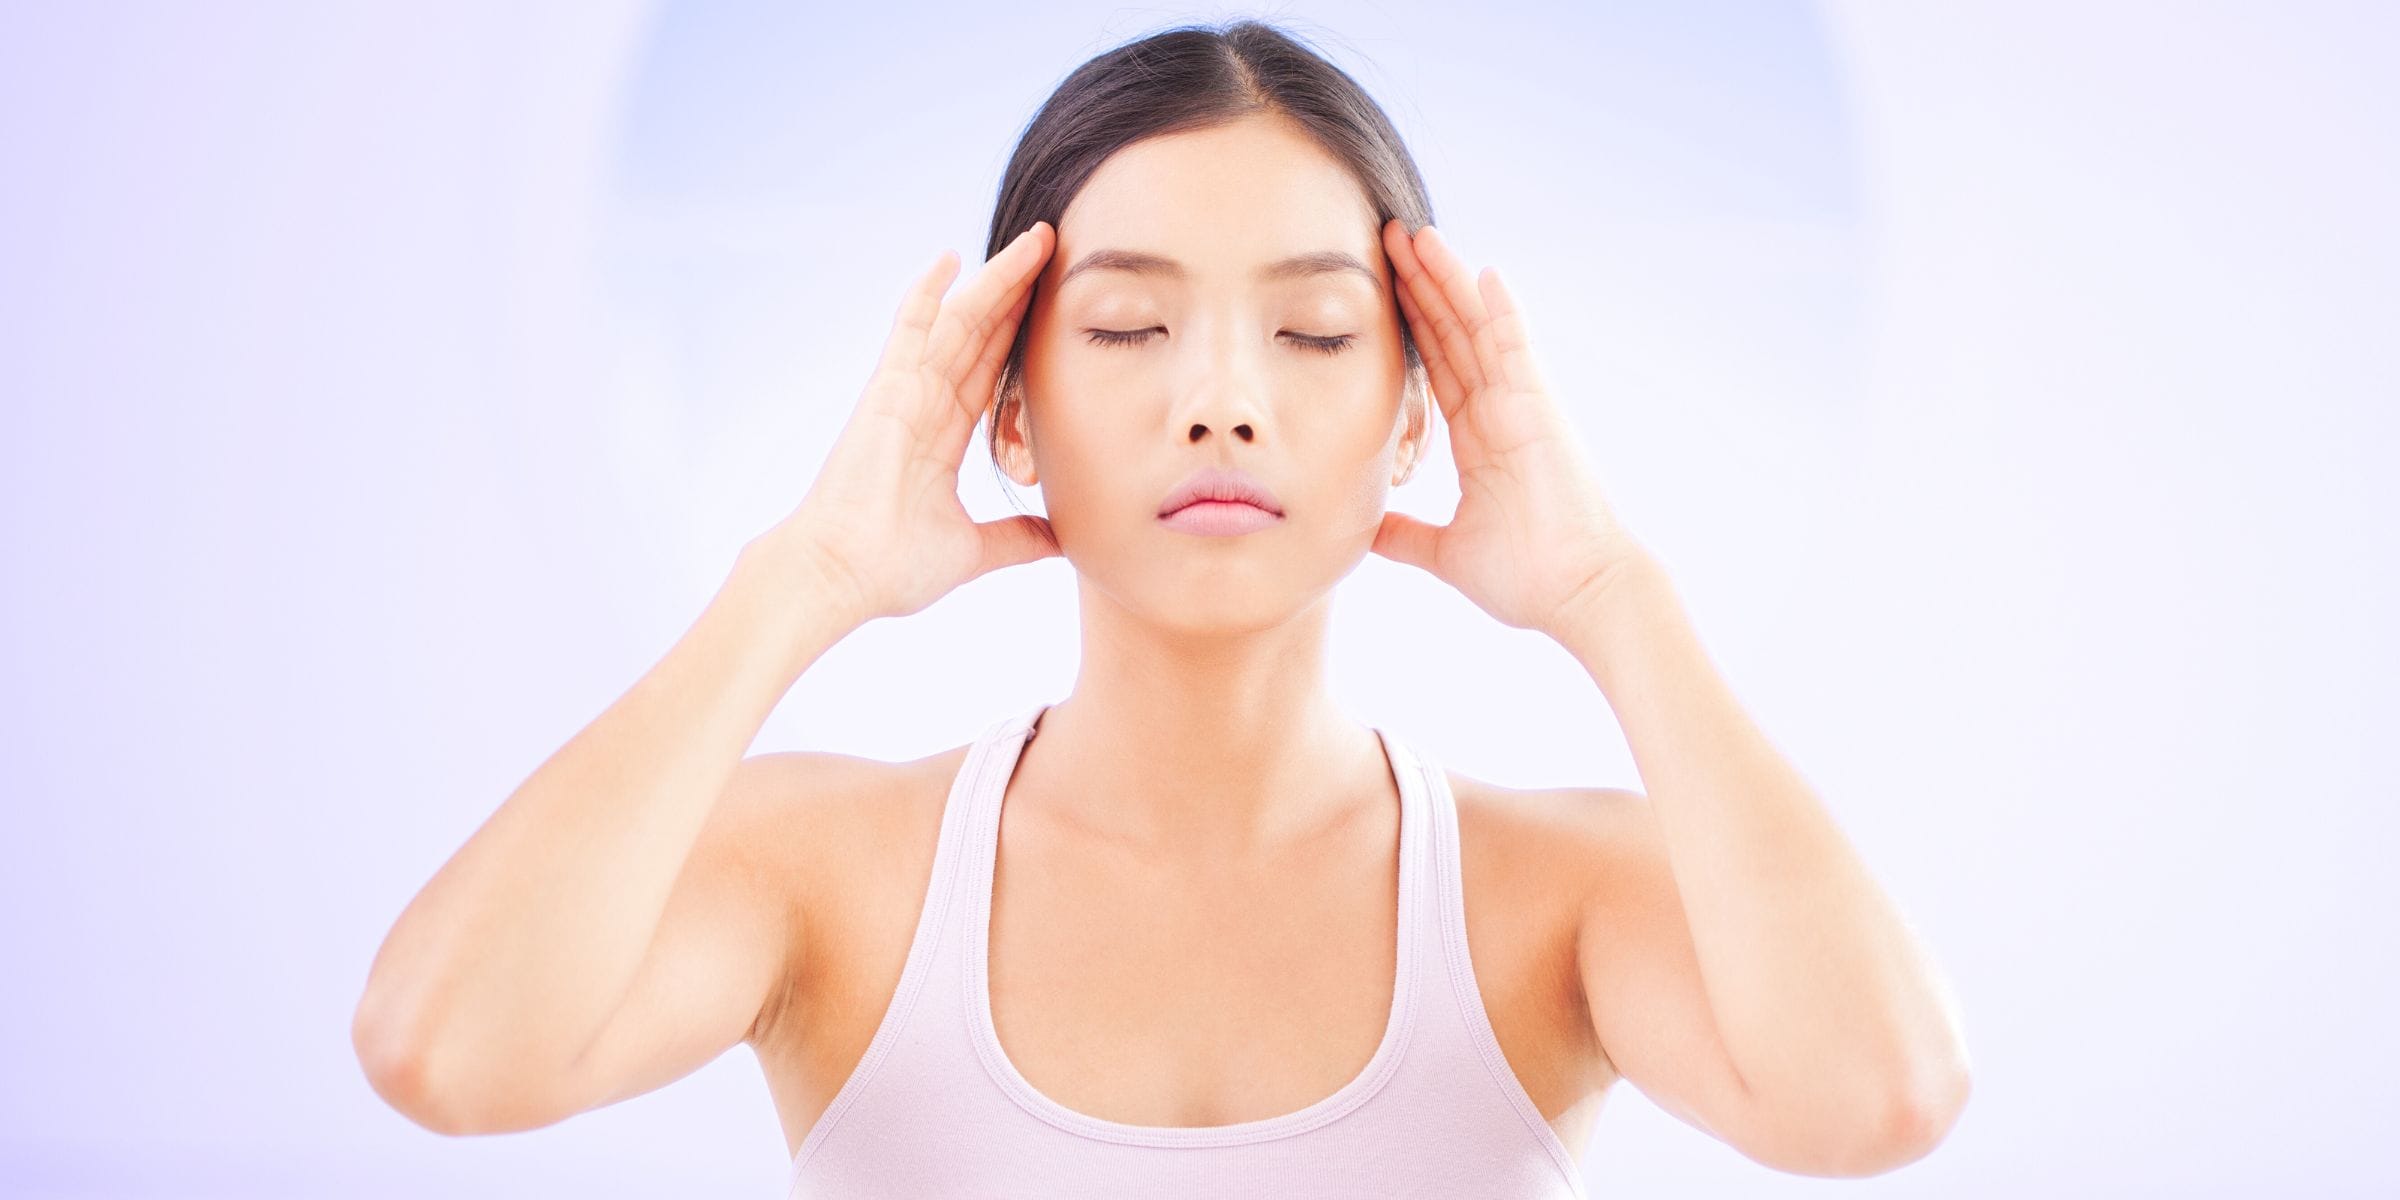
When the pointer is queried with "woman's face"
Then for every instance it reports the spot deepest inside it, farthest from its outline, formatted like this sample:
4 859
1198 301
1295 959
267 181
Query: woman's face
1136 375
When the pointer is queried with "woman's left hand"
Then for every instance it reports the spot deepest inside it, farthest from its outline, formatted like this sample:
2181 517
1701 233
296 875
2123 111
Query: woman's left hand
1533 539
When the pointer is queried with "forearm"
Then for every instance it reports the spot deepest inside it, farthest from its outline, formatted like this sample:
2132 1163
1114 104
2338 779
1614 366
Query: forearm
521 946
1819 988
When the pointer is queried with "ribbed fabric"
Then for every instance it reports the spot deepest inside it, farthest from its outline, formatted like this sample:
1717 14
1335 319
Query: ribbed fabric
935 1108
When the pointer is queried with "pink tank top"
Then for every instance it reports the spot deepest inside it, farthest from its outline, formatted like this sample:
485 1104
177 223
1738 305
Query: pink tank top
935 1108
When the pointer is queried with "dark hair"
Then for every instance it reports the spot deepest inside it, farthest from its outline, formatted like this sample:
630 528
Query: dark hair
1186 78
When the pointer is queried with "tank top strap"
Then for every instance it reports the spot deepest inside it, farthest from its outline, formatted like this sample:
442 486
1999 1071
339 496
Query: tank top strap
933 946
1420 870
1447 926
936 1108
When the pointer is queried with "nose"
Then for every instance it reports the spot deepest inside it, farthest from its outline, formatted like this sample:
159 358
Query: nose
1227 397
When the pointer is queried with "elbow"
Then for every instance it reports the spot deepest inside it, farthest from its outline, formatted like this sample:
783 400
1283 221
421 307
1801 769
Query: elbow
1907 1126
398 1068
400 1078
1858 1135
453 1090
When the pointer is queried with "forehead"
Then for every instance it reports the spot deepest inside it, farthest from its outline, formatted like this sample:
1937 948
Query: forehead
1255 200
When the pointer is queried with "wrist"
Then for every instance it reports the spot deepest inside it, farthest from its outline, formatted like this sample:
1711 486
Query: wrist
1632 578
797 600
1617 626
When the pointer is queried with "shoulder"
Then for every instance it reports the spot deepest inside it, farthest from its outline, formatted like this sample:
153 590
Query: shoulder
1598 851
828 832
1535 864
1560 838
1626 925
778 802
822 814
846 830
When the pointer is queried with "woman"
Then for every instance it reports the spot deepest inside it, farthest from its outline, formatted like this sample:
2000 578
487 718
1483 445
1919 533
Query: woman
1190 929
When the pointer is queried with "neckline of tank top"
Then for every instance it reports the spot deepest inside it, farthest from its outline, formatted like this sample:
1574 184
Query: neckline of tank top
999 755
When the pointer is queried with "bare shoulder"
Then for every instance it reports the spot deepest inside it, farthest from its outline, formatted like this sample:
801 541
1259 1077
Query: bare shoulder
844 832
819 809
873 810
1531 861
1550 839
1525 855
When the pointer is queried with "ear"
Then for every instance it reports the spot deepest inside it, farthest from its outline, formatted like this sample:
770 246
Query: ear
1015 436
1415 402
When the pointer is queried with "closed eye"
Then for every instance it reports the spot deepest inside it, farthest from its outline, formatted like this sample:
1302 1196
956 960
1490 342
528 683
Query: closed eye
1132 337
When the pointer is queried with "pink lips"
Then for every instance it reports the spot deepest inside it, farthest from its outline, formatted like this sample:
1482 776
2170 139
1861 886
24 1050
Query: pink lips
1217 501
1219 517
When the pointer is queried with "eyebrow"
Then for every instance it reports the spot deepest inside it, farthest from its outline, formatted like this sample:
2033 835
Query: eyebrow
1298 266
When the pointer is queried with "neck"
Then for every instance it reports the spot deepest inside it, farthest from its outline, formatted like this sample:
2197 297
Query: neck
1220 743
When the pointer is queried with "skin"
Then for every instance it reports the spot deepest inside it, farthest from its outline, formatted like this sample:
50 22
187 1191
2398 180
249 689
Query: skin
649 897
1201 718
1198 773
1724 947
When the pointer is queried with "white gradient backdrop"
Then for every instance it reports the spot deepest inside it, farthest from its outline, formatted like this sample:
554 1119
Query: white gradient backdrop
2011 388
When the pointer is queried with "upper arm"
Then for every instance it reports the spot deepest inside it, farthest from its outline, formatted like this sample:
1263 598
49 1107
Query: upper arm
1641 980
730 940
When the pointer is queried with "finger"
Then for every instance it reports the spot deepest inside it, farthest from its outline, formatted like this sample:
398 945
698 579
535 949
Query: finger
1438 375
975 393
958 333
1011 541
1512 339
904 349
1443 381
1458 346
977 372
1449 271
1403 538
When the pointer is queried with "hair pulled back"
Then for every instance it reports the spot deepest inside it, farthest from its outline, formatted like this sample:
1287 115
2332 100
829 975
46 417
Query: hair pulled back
1186 78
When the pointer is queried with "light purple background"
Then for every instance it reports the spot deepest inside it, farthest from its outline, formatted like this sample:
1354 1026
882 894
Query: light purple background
2011 388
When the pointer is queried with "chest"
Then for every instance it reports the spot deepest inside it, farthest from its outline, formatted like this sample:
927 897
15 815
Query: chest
1196 997
1155 995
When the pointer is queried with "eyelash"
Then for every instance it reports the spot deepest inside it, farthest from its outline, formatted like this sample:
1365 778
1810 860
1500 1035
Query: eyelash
1325 345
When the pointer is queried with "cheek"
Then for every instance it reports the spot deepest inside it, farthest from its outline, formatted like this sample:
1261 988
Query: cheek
1087 449
1348 446
1365 492
1349 415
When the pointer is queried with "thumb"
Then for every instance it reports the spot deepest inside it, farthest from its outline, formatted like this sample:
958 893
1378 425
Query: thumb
1403 538
1012 541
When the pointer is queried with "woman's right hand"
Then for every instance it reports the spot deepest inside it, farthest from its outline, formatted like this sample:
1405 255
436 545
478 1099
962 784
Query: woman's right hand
882 523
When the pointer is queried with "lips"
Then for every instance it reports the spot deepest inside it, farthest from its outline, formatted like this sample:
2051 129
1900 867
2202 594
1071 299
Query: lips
1222 485
1219 518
